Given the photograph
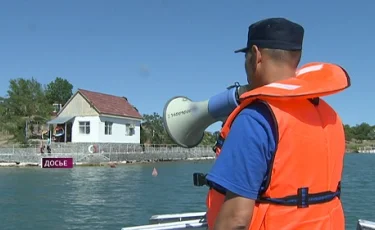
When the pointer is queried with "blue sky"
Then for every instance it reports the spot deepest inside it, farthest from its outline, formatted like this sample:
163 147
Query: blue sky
152 50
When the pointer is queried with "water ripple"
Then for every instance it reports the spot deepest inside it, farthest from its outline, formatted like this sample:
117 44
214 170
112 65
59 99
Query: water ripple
89 198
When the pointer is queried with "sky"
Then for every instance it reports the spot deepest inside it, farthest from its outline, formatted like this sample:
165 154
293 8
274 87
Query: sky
152 50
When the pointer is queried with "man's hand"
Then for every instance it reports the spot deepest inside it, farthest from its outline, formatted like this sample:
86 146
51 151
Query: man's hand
235 214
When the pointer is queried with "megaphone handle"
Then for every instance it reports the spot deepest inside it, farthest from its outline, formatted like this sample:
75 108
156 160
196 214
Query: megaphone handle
236 94
236 84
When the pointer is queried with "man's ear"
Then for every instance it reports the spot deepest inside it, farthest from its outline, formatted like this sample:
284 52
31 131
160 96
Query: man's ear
257 56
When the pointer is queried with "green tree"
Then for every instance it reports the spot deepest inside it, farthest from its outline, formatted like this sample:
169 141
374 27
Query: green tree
349 134
359 132
209 139
371 134
153 130
144 137
58 91
25 104
362 131
2 113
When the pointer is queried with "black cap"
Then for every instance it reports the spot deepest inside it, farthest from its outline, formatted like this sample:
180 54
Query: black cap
274 33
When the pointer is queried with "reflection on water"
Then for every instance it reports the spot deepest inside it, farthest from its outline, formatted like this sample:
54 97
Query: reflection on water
100 195
111 198
96 197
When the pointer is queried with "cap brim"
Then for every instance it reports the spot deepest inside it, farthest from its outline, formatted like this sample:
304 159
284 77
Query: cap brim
243 50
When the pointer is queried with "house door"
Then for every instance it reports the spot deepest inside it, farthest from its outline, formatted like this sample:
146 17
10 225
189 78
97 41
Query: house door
69 132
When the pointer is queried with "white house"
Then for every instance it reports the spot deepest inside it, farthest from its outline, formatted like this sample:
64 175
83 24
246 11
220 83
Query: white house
93 117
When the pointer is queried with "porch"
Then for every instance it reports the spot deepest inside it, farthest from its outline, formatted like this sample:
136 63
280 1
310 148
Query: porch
62 129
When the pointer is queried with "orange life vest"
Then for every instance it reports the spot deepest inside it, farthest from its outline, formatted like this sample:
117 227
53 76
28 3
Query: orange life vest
303 185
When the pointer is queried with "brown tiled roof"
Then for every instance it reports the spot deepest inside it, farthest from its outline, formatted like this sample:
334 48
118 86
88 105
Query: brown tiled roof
109 104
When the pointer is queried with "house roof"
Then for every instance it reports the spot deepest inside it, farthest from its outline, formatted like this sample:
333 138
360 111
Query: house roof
110 104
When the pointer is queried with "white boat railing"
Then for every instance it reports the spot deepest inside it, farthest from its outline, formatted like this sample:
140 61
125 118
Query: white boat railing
174 221
167 218
365 225
198 220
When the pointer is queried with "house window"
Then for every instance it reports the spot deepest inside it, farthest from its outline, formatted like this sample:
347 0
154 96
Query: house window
129 130
108 128
56 108
84 127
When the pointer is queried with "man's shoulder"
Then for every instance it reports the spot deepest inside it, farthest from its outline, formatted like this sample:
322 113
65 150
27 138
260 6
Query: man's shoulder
259 116
258 110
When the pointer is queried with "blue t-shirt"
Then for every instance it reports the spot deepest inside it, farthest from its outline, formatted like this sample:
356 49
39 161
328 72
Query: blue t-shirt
243 164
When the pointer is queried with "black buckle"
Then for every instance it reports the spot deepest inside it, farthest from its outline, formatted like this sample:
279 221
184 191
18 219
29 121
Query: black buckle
199 179
303 197
214 147
219 143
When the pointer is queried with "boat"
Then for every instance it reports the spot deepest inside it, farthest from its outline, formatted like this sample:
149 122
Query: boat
174 221
197 220
368 149
365 225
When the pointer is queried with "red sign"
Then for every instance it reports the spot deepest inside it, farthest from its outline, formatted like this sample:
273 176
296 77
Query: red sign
57 163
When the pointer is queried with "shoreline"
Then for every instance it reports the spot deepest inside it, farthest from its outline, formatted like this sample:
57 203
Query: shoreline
119 163
106 164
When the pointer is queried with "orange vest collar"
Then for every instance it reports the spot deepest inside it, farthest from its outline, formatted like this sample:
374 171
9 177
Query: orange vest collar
315 79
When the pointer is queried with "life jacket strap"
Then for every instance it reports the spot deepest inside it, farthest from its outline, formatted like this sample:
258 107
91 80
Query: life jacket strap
219 143
303 198
218 190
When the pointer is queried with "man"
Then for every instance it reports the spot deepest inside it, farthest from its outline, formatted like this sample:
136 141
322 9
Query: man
281 159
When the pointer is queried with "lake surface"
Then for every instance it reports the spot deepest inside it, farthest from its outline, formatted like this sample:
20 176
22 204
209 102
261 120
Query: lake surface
111 198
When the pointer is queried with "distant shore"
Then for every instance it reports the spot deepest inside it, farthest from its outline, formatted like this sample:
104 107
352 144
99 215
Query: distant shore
114 163
109 163
356 146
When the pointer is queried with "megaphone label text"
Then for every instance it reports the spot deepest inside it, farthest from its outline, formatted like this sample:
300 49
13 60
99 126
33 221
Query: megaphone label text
176 114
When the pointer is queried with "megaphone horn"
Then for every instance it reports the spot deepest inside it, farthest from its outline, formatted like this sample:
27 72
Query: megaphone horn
185 121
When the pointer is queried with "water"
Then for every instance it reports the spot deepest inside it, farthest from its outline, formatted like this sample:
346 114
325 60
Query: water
111 198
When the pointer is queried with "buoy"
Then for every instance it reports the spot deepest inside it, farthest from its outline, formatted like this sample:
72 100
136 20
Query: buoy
154 172
92 149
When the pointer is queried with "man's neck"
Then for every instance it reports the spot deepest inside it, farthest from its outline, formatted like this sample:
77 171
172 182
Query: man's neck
278 74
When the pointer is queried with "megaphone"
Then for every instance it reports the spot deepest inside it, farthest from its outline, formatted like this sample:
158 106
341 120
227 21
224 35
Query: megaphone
185 121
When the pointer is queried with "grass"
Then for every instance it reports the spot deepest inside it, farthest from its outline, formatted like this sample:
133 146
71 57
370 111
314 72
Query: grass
353 146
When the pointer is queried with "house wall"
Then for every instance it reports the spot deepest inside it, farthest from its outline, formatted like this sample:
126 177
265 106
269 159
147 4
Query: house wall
97 130
93 136
119 130
78 106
